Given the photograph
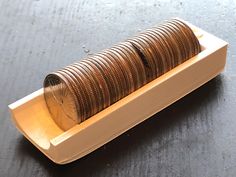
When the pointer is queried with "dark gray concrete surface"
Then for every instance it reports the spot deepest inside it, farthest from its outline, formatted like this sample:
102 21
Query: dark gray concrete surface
194 137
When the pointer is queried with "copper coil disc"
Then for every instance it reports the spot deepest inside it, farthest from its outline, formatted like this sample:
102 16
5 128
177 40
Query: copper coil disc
80 90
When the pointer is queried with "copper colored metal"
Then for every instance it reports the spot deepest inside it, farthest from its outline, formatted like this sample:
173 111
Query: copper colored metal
80 90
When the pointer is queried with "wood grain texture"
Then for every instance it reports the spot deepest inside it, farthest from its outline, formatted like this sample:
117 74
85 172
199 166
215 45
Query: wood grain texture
194 137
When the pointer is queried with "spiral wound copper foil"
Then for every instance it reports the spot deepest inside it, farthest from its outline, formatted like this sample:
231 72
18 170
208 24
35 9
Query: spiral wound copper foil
80 90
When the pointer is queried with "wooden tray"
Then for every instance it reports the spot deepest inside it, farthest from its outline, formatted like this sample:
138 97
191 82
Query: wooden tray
30 114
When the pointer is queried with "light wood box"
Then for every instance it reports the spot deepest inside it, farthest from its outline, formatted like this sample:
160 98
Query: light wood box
30 114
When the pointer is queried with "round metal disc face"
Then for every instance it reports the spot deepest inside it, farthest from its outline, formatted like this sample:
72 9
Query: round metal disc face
60 102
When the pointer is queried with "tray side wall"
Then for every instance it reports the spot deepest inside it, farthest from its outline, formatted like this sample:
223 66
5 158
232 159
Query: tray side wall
84 140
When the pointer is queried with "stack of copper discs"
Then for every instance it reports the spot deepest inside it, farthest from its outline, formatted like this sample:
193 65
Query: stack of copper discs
80 90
